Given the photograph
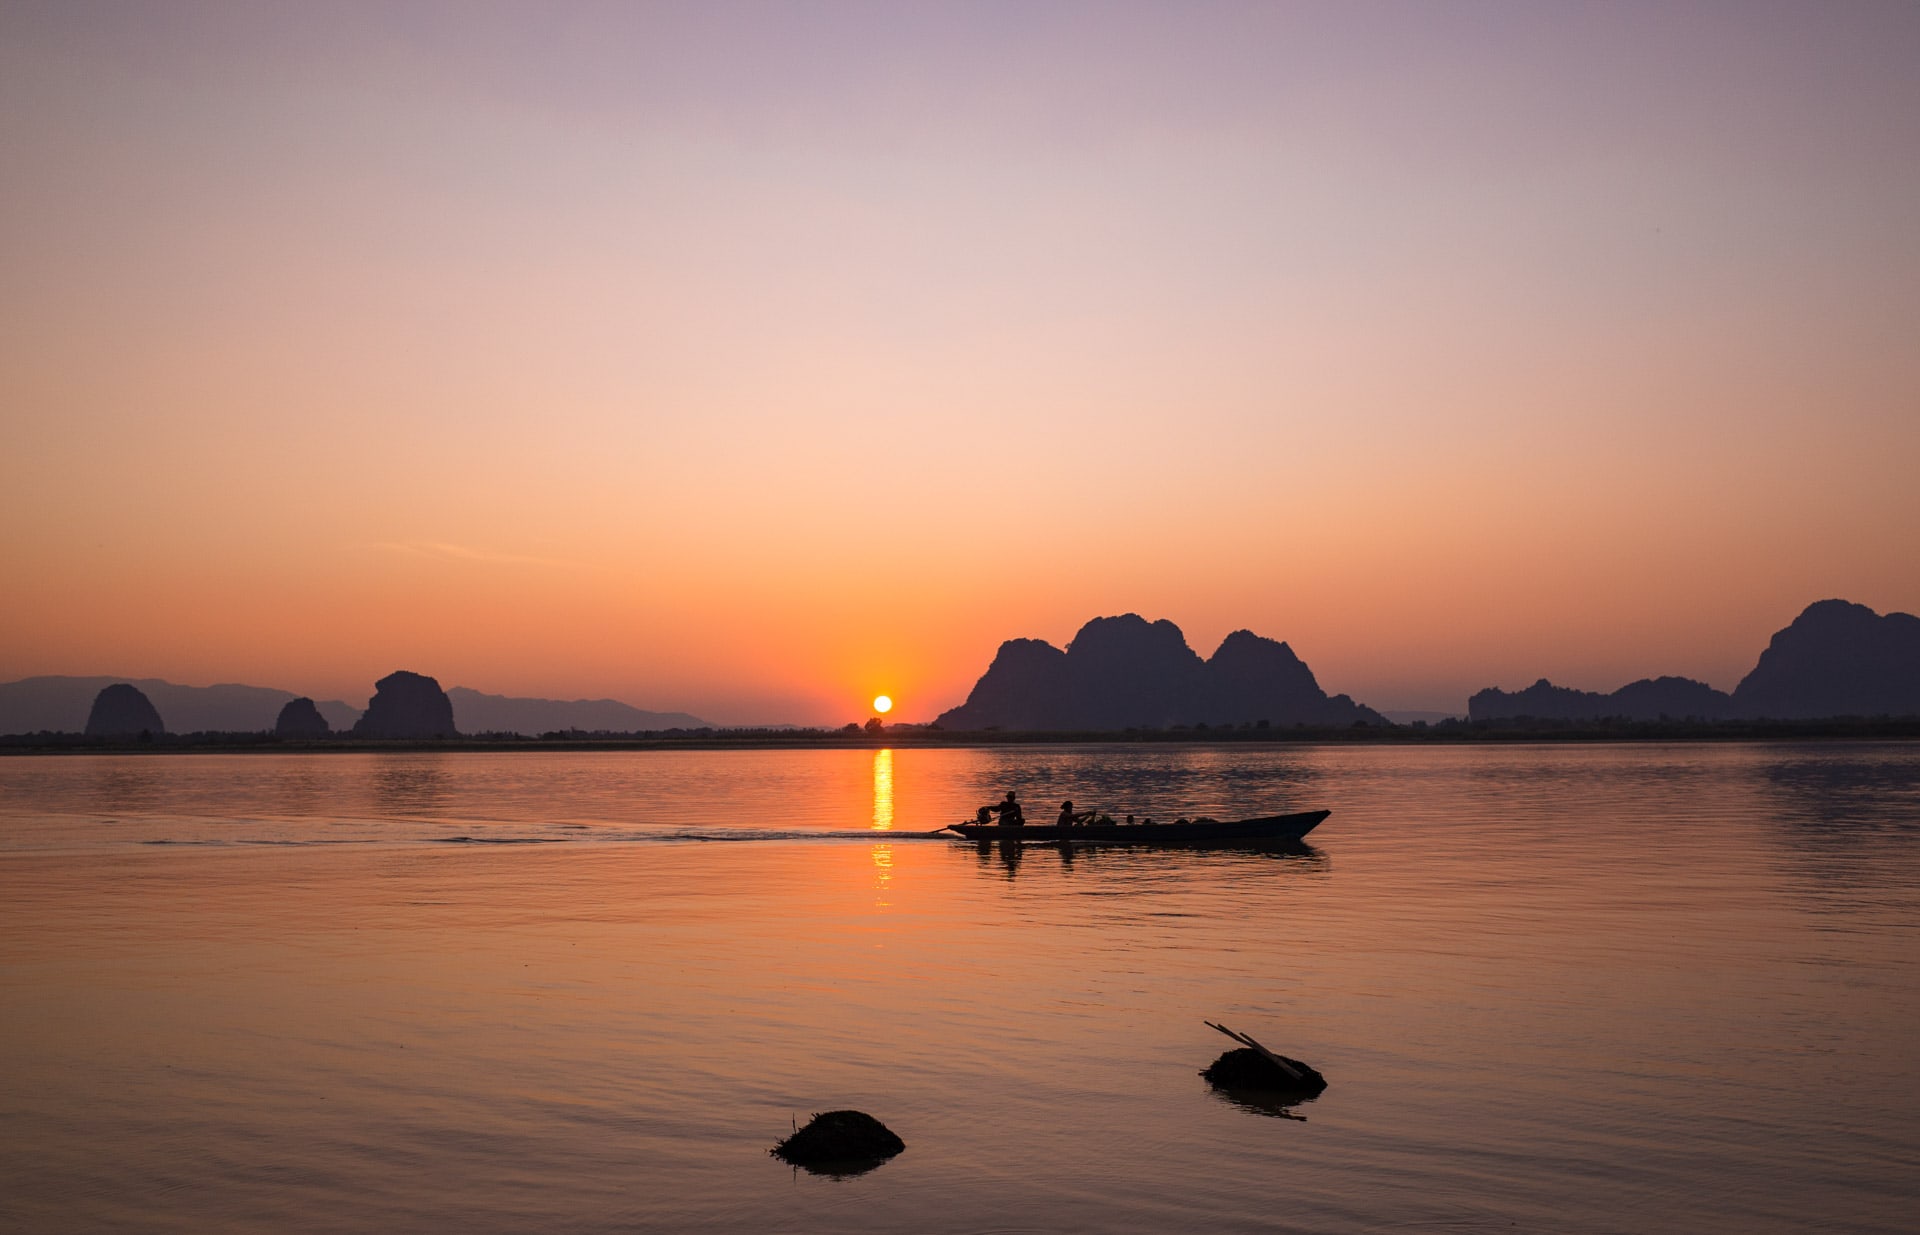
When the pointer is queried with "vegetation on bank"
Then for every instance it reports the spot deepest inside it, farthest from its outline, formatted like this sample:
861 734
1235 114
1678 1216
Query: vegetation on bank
1521 729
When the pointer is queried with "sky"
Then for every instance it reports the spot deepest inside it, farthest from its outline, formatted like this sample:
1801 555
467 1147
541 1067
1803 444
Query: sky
752 359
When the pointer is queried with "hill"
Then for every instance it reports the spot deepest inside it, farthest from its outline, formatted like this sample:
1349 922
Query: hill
1127 673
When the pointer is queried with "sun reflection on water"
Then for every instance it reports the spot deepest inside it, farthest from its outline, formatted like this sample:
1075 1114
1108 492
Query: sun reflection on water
883 790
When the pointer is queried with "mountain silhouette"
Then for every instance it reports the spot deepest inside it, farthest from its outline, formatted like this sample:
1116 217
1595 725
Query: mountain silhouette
1664 698
120 710
1126 672
59 704
407 705
1836 659
301 719
475 712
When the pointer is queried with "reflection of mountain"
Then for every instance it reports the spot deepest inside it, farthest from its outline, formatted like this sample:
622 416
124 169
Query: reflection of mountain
1835 659
475 712
60 705
1124 672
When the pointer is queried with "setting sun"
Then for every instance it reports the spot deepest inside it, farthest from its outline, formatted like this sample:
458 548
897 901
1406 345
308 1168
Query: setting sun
882 704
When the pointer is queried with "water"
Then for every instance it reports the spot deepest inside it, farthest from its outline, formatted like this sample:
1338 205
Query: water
1568 989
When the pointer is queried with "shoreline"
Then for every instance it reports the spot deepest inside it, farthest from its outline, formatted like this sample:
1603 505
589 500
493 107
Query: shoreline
1445 734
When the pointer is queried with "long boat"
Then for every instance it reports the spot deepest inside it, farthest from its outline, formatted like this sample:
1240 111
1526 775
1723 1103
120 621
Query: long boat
1192 832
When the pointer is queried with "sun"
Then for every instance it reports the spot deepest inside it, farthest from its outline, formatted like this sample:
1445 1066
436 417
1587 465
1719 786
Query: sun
882 704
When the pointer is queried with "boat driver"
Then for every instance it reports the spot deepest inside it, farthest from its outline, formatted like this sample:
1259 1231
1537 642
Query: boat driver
1011 816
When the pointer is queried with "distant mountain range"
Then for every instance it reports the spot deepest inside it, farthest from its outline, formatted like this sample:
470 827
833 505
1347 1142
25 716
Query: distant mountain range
1836 659
1125 672
474 712
61 704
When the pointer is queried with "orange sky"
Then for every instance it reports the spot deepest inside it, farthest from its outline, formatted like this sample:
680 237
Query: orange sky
749 362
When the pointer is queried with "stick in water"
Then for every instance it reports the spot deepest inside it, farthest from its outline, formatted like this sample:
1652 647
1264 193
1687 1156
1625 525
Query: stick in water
1244 1040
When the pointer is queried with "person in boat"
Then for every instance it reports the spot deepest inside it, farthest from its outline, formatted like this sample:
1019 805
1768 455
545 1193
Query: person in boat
1069 817
1011 816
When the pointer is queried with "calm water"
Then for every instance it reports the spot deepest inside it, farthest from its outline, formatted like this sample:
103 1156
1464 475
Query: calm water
1618 988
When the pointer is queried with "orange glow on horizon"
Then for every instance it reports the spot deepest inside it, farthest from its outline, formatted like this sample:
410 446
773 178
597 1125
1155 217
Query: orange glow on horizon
638 390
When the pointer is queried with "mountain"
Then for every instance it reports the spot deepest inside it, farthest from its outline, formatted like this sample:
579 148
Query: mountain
60 705
1667 698
1125 672
121 711
1836 659
301 719
475 712
407 705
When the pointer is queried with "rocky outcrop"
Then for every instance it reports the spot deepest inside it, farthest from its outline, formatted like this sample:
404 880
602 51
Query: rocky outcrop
1127 673
407 705
301 719
1836 659
121 711
1664 698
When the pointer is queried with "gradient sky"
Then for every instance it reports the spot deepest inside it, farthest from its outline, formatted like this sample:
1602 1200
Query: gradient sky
752 359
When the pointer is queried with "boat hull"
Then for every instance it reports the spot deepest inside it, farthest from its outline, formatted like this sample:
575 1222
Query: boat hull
1268 828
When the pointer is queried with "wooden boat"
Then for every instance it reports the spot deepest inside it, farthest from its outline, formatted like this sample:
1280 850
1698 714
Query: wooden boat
1267 828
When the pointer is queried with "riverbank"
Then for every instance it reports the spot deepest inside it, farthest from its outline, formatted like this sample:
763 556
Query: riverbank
1448 732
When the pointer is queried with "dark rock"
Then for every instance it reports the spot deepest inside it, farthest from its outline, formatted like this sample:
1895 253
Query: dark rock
840 1143
407 705
1245 1068
301 719
1836 659
121 711
1125 672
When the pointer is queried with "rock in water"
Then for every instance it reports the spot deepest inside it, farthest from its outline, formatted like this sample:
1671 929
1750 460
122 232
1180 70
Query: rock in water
840 1142
1246 1068
407 705
301 719
122 711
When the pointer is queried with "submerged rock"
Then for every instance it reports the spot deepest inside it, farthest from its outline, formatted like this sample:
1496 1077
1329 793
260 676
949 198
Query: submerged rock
1245 1068
122 711
840 1143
